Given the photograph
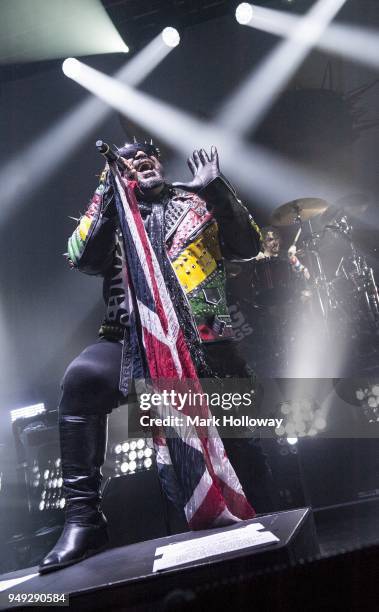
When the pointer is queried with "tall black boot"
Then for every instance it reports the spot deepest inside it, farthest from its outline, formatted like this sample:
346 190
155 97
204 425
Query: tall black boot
83 443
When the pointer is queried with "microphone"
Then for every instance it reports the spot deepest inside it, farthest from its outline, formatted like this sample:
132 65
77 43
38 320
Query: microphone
111 154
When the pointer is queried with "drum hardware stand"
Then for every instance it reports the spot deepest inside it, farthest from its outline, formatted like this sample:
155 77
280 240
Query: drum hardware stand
312 248
361 275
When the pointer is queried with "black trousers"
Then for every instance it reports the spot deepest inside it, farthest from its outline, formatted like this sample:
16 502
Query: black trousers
90 386
90 383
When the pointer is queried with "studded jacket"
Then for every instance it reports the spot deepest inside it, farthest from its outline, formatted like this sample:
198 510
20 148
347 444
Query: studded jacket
200 231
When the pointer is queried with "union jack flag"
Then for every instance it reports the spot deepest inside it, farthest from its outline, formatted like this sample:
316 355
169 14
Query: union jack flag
194 469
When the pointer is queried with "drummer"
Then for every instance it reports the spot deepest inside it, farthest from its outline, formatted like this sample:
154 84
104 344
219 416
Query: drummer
270 244
270 248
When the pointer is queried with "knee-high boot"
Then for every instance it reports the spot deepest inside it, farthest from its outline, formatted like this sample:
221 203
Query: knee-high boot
83 444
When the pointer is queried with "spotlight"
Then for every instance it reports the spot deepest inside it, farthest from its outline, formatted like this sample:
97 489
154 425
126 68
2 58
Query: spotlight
124 467
71 67
129 456
27 412
171 37
292 440
244 13
368 398
304 417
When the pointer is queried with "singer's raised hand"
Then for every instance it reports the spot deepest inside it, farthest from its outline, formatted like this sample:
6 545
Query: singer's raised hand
204 169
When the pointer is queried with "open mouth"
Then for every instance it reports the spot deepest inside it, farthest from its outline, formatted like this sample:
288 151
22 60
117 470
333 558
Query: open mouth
145 166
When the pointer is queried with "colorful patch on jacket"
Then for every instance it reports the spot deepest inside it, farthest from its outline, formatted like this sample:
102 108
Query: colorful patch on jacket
77 240
196 216
198 260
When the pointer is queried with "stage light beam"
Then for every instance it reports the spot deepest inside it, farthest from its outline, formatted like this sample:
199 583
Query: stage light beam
245 110
39 30
250 167
360 45
171 37
42 158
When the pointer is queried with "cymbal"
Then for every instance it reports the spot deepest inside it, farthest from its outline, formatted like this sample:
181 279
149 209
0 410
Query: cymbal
304 208
351 205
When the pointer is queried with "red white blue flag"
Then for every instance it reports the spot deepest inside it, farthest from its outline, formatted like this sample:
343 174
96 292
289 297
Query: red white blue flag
192 463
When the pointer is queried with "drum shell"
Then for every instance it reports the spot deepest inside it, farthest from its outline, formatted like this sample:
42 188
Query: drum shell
273 281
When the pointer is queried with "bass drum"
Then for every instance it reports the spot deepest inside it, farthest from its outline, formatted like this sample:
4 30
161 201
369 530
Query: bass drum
273 281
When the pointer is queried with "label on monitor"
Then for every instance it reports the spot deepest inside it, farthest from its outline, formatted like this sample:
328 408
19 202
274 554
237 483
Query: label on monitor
218 543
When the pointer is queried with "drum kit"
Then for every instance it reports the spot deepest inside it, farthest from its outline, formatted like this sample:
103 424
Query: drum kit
345 291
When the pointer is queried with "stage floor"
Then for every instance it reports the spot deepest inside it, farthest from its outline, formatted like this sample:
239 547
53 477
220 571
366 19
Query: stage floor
347 527
132 567
128 572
